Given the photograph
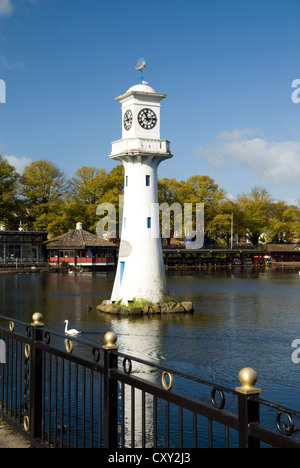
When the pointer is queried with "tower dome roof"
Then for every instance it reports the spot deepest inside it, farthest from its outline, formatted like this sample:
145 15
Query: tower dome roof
142 88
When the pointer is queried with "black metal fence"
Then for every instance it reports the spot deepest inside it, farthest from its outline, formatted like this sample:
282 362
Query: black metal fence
65 392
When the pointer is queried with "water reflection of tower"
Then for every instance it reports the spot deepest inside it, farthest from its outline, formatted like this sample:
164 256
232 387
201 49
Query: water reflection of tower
140 271
147 346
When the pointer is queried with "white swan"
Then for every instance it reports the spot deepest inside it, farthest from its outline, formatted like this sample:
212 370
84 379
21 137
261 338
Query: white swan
70 332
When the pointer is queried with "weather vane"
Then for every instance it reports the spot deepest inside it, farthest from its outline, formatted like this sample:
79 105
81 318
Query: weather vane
140 67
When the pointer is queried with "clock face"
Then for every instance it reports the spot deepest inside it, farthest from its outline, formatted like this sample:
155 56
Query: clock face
127 120
147 119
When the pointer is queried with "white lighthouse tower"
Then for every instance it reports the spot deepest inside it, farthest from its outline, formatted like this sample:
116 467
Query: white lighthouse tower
140 271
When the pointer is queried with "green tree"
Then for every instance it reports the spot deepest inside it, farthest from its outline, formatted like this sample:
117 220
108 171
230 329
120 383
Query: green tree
10 206
170 190
89 185
226 221
87 188
284 223
114 185
43 186
203 189
196 189
255 213
115 190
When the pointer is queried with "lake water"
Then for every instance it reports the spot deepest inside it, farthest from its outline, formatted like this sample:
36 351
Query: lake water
242 318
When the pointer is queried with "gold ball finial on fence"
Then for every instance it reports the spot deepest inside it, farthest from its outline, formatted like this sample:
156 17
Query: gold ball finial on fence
110 340
248 379
37 320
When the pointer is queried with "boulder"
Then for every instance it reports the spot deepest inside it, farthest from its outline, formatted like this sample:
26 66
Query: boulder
110 309
123 311
155 309
164 308
188 306
177 309
135 311
147 309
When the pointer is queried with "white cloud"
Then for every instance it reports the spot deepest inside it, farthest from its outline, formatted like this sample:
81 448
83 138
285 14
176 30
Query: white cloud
271 160
6 7
18 163
10 66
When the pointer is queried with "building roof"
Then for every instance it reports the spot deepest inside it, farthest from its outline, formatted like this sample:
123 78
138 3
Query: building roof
78 239
23 233
282 247
142 88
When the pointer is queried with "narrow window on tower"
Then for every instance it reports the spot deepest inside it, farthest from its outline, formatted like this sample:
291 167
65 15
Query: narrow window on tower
147 181
122 267
149 223
126 181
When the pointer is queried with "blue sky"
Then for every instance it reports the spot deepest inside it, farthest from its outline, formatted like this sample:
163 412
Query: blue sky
227 67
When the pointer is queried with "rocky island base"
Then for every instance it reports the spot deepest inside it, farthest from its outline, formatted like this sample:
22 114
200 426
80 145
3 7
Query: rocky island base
146 309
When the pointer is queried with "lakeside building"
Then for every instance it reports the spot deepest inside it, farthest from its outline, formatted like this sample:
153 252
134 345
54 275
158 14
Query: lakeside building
24 247
81 248
284 253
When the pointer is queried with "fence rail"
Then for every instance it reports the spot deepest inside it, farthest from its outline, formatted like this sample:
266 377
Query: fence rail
66 392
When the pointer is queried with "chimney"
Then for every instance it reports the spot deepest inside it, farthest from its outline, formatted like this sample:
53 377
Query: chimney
79 226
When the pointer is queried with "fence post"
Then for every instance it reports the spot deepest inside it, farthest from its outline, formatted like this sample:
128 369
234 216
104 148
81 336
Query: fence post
248 410
36 383
110 392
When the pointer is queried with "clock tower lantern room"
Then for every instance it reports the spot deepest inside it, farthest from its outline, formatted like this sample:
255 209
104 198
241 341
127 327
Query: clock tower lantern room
140 119
140 271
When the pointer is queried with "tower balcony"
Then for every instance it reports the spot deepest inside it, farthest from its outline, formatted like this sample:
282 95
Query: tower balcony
139 145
